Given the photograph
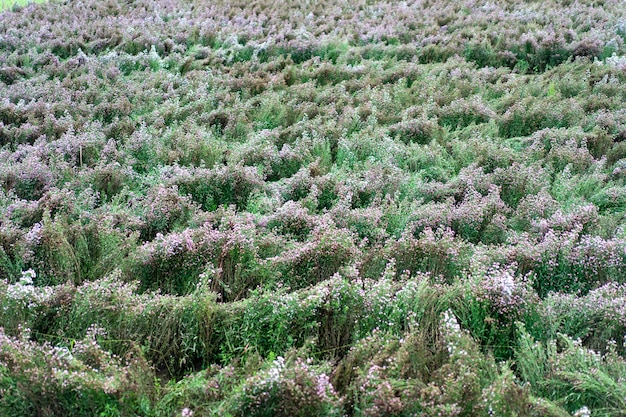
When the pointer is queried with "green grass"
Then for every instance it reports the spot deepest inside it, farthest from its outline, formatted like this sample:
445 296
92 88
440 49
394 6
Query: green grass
8 4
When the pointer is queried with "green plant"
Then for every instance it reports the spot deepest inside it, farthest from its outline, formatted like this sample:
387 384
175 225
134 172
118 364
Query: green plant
17 4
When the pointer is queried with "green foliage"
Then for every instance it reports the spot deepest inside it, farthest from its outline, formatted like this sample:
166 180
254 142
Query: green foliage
220 186
327 250
85 379
16 4
65 252
435 252
576 376
289 387
312 208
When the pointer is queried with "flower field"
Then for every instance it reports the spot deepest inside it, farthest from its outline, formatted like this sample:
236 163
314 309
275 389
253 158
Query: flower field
313 208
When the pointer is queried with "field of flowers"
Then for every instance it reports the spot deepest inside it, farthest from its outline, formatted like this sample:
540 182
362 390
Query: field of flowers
313 208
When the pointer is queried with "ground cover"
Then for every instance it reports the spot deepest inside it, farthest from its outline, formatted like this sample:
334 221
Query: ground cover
360 208
10 4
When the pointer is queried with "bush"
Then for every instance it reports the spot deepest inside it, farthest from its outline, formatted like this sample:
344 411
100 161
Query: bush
60 250
46 380
225 185
577 377
327 250
437 252
287 388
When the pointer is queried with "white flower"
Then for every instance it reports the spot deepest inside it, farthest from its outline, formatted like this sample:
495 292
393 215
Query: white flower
583 412
27 277
450 321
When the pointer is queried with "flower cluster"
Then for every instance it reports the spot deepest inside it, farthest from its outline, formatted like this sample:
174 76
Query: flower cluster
506 294
288 388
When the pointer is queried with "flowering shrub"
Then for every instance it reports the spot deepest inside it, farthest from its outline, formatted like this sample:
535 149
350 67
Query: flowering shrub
21 301
165 209
292 388
435 251
508 296
584 379
52 380
29 178
385 187
596 319
175 262
438 373
493 299
326 251
219 186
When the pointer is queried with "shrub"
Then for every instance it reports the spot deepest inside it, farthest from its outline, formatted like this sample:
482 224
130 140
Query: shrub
165 211
595 319
287 388
325 252
47 380
463 112
109 179
22 302
29 179
201 393
188 144
224 185
11 254
438 371
61 251
578 378
567 260
432 162
493 299
130 320
420 130
528 116
476 218
437 252
505 396
174 262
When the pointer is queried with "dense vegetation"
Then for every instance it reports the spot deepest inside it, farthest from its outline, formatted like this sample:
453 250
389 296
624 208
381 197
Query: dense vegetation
324 208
